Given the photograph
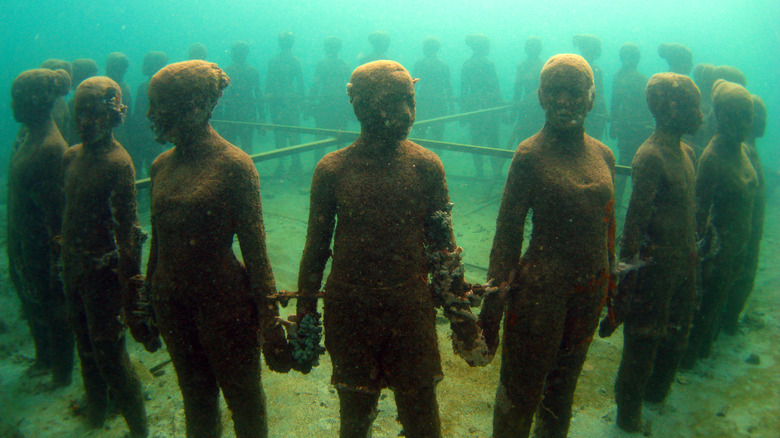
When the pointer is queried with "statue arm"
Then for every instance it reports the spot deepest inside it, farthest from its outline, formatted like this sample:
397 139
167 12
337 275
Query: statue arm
322 221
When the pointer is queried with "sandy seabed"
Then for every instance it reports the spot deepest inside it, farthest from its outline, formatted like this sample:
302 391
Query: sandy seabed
723 396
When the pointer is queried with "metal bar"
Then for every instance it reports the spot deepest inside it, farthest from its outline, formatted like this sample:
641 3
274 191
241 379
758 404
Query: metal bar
270 155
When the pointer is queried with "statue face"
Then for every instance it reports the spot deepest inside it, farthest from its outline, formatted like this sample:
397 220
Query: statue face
163 120
388 112
688 116
566 100
94 121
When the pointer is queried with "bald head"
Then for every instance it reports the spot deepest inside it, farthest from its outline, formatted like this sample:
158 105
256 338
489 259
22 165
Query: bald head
566 91
382 96
733 108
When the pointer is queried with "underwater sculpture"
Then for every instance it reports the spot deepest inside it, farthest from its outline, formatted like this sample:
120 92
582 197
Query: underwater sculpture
60 112
327 97
656 301
743 285
726 187
527 112
210 308
243 100
630 120
197 51
590 49
705 76
35 218
101 255
479 89
679 57
390 199
142 147
117 64
284 91
81 69
433 92
380 42
557 287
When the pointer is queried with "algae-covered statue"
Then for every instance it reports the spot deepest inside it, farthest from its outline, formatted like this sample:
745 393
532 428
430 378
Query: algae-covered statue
35 218
743 285
557 286
726 187
284 92
590 49
678 56
387 200
243 101
213 311
434 90
658 251
479 89
526 111
630 120
101 255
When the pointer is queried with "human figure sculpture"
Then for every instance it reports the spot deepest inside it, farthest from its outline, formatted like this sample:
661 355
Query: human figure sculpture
101 255
743 285
285 92
657 253
726 187
479 89
210 308
60 112
243 101
82 68
197 51
35 219
387 199
117 65
590 49
327 96
679 57
527 112
433 92
705 76
553 293
630 120
143 148
380 42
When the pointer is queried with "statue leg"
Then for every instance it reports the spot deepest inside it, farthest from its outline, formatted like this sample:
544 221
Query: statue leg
418 412
357 411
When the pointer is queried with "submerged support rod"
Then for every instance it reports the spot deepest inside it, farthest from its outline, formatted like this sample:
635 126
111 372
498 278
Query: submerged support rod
270 155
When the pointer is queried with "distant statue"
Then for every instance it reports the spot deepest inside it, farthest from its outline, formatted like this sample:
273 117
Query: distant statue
386 200
590 49
101 256
284 92
35 219
143 147
679 57
705 76
197 51
328 99
657 253
82 69
60 112
212 310
380 42
553 292
433 92
480 90
743 285
726 187
243 100
527 113
630 120
117 65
